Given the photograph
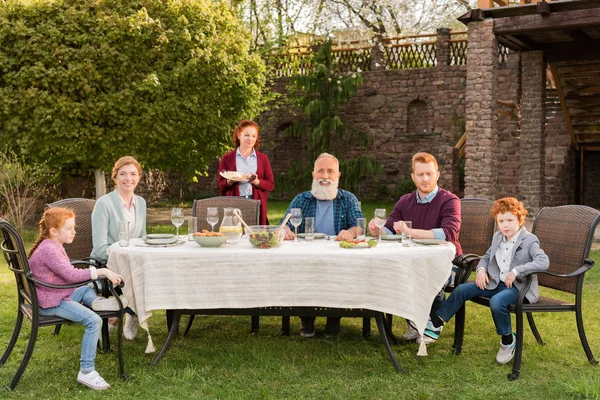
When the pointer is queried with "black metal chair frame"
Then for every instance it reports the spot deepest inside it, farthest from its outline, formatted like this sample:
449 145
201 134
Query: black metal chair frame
572 282
16 258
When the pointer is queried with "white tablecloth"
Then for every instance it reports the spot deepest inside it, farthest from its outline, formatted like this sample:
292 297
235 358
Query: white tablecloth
389 278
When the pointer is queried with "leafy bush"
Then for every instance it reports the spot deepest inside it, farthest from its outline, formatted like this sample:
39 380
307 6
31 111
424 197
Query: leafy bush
84 82
21 185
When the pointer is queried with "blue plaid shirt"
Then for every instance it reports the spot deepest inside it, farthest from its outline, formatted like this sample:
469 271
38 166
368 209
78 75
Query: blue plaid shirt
345 210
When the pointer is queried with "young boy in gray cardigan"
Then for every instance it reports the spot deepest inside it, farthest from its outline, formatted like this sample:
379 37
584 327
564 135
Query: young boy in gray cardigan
513 251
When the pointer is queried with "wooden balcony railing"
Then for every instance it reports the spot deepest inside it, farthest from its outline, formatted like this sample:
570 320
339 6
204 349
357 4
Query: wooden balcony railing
398 52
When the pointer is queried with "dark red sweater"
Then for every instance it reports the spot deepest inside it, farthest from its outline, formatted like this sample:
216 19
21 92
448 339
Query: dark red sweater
443 212
260 192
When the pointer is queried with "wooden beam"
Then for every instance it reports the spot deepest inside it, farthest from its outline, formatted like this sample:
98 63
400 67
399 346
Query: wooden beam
578 34
563 103
507 42
485 3
568 20
543 9
527 42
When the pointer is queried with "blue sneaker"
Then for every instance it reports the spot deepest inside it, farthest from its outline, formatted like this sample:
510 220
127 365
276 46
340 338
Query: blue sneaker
507 351
431 333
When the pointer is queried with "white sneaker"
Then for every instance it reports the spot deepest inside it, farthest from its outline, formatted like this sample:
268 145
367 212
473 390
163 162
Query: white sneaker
412 333
92 380
507 351
131 326
102 304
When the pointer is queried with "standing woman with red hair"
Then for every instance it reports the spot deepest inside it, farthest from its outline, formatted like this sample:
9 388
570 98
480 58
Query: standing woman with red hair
248 160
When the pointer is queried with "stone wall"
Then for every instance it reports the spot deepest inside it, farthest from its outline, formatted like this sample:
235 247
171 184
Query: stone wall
561 166
481 167
508 125
404 111
522 147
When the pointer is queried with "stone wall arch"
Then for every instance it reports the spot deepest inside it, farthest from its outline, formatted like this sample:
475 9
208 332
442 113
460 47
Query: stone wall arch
419 117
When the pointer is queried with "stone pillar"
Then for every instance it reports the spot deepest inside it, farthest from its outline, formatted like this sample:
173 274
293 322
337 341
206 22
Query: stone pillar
532 147
442 47
481 169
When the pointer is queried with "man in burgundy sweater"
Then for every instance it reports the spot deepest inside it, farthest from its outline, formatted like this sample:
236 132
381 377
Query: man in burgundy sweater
434 213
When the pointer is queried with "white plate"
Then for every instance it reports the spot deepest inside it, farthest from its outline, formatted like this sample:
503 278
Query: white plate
160 236
317 235
161 241
235 175
392 237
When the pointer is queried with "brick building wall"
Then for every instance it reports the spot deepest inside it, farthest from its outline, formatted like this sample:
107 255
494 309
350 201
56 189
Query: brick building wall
508 125
481 167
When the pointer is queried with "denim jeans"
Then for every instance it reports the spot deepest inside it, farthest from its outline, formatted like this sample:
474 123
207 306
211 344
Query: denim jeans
78 309
500 299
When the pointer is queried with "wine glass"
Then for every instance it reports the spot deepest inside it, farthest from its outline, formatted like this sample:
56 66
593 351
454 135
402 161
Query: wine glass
212 217
177 218
296 220
380 218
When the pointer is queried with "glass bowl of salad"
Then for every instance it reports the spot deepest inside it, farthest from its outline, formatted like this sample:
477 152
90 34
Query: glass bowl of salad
265 236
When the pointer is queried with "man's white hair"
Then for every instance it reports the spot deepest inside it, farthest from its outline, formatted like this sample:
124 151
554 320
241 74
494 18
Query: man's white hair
323 155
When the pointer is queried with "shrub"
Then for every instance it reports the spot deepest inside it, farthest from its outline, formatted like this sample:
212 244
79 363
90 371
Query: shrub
21 185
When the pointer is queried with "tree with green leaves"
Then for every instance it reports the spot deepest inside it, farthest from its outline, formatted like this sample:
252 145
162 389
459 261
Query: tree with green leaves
84 82
319 94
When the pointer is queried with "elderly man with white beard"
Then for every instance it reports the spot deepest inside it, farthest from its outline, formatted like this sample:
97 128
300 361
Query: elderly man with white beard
335 212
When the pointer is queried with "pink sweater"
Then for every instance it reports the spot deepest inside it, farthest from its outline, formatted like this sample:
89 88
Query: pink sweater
49 263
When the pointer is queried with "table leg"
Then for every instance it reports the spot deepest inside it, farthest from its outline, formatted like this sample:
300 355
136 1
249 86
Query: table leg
366 330
174 327
255 323
386 344
285 326
388 328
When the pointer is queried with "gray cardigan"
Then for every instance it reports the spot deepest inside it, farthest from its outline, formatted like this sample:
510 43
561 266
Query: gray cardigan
105 218
527 257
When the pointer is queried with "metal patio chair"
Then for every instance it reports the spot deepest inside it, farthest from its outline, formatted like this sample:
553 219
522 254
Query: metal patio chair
566 234
27 307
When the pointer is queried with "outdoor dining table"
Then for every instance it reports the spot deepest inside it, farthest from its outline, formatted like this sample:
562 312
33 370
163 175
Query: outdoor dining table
242 279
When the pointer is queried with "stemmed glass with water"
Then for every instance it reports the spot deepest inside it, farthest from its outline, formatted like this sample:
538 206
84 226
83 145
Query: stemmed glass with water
296 220
212 217
380 218
177 218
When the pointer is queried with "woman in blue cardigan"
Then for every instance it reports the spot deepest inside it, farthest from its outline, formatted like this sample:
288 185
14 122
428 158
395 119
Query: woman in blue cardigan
122 204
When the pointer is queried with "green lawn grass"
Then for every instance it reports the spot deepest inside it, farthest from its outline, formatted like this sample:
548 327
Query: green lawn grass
221 359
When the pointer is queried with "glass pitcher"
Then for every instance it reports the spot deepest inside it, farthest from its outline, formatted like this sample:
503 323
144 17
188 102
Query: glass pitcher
231 225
